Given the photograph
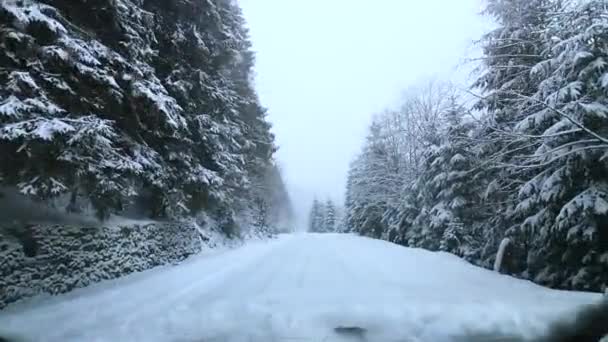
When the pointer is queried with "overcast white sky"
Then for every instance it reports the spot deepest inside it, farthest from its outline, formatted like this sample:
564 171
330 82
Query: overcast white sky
324 67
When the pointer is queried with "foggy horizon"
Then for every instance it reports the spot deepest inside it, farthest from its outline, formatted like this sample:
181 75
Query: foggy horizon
324 72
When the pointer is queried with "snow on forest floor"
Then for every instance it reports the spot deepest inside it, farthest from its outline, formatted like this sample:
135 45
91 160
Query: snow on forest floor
297 288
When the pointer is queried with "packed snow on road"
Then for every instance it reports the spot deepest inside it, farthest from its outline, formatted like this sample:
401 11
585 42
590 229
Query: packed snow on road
298 288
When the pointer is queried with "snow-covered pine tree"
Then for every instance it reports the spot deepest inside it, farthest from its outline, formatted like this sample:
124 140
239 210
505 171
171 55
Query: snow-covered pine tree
329 223
71 98
115 101
370 185
451 239
400 221
432 217
211 169
349 200
271 200
448 196
509 53
281 208
340 226
356 198
320 218
315 217
261 219
565 204
257 147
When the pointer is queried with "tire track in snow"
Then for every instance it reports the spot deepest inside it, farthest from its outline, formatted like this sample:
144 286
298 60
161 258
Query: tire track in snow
303 271
164 297
249 295
232 284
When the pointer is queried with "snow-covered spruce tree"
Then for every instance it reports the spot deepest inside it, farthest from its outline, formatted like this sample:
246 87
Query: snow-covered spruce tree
281 208
426 227
448 195
257 147
199 47
370 185
340 226
271 201
260 218
422 116
564 206
329 223
113 101
452 238
509 53
316 217
69 103
400 220
356 199
350 199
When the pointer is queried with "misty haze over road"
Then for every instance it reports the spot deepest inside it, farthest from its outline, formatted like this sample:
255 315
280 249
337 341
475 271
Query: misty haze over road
327 66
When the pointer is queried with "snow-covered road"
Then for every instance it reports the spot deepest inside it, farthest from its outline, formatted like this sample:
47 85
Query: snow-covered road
296 288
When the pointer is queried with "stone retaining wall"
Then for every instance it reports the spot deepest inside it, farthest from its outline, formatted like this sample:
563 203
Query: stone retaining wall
54 259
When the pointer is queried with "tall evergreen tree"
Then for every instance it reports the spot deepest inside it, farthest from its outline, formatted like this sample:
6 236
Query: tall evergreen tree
111 102
67 100
316 217
510 52
372 184
564 204
271 200
329 223
356 196
447 195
